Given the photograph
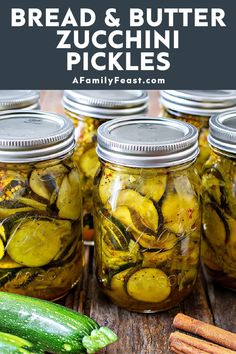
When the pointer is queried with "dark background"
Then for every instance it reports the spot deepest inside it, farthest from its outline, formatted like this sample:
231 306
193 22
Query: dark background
29 58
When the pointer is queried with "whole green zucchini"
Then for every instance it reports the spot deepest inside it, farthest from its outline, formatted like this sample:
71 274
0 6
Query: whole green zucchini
52 327
10 344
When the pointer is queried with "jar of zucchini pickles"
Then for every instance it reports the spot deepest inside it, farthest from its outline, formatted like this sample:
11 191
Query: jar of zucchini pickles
219 201
196 107
88 110
19 99
147 212
41 252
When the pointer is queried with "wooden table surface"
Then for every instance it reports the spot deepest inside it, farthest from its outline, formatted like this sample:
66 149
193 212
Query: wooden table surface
141 333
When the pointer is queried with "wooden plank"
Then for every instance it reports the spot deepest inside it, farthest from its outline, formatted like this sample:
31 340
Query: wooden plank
223 305
138 333
197 304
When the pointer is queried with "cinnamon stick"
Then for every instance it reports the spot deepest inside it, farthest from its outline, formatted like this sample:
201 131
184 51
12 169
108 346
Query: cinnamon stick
179 347
200 344
215 334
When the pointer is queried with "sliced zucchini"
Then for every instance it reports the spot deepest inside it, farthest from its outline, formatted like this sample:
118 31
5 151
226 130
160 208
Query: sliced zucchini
4 213
213 182
153 188
45 182
209 256
180 213
2 249
3 233
113 259
214 228
36 242
89 162
8 263
114 233
149 285
156 259
141 205
118 286
69 196
110 182
187 277
123 214
231 244
32 203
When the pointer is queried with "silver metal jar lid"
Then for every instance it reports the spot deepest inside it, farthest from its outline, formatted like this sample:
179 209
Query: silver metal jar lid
30 136
201 102
147 142
19 99
223 131
105 104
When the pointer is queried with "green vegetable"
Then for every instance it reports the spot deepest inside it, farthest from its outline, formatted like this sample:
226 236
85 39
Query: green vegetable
69 198
180 212
149 285
54 328
10 344
46 182
2 249
141 205
35 242
89 162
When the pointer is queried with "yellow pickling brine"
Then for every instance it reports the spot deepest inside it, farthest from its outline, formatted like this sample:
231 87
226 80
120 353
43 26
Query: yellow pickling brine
41 251
88 110
219 201
196 107
147 212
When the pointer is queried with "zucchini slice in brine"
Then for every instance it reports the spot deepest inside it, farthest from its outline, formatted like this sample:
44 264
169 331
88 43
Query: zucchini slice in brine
89 162
69 197
214 228
231 244
36 242
148 285
46 182
144 207
123 214
180 212
115 234
153 188
2 249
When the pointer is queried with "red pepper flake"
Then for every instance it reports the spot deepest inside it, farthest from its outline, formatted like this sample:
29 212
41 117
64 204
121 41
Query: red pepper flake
190 213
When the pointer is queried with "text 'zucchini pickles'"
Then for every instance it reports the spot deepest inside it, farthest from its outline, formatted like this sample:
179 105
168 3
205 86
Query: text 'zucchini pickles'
147 212
219 201
88 110
196 107
40 205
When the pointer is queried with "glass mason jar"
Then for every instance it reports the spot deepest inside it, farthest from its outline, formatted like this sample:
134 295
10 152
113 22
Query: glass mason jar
147 212
41 251
88 110
19 99
196 107
219 201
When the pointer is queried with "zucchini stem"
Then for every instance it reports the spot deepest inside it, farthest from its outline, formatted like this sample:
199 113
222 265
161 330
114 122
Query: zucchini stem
98 339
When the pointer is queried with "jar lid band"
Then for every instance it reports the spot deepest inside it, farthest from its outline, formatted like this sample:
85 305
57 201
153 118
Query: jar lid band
30 136
223 131
147 142
105 104
198 102
19 99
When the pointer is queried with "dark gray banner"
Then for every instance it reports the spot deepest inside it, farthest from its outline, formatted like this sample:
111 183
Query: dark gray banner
91 44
